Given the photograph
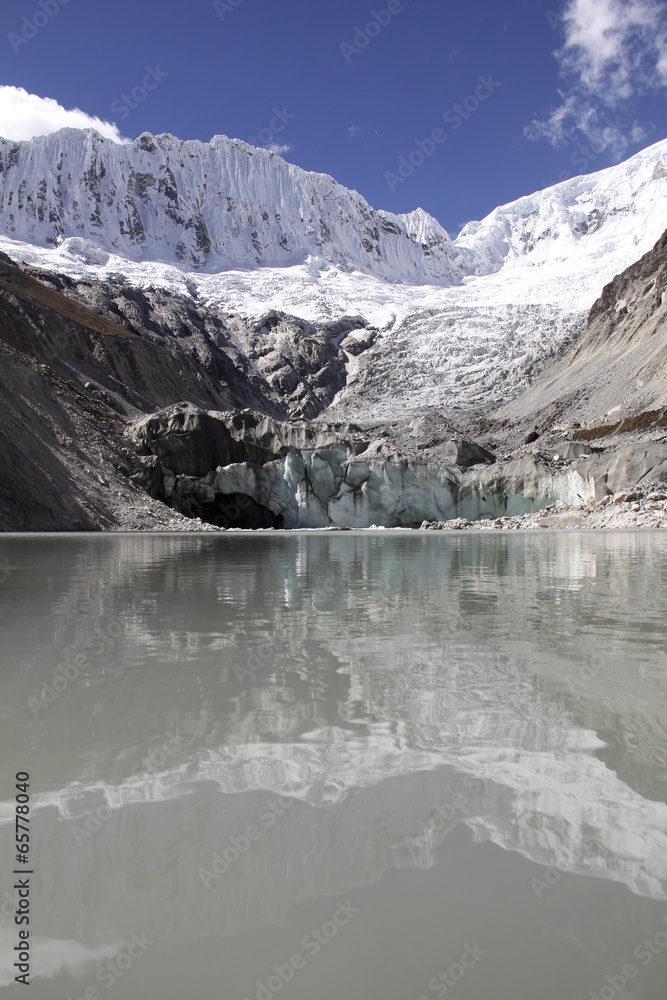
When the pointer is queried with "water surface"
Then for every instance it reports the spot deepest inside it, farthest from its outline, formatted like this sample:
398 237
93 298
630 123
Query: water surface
388 766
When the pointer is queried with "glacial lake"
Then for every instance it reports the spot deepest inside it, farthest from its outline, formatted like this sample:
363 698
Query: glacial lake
378 765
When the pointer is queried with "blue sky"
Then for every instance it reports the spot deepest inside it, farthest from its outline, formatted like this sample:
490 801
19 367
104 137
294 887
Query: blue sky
569 87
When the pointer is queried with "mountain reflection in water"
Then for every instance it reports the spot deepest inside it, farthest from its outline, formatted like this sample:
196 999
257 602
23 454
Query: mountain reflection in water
251 724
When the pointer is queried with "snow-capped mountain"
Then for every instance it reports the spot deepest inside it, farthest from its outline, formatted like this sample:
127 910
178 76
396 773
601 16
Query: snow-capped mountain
207 205
463 322
212 208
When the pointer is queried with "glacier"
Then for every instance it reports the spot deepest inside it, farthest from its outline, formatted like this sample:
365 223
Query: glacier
462 322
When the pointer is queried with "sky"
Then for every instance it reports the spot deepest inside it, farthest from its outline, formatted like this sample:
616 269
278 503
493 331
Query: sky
454 106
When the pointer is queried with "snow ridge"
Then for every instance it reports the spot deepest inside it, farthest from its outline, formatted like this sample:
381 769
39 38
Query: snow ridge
206 206
213 207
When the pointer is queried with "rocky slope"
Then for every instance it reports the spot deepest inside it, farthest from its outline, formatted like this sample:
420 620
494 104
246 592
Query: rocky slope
146 349
144 412
65 467
614 377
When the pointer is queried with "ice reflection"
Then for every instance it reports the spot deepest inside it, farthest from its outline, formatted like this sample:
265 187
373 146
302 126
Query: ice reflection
52 956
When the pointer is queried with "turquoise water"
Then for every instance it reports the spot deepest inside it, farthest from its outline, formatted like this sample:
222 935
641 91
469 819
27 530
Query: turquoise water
337 765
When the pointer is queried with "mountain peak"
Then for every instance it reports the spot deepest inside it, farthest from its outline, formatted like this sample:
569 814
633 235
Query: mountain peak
423 227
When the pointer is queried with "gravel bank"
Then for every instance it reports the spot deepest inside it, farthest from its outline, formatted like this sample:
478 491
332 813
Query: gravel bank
643 506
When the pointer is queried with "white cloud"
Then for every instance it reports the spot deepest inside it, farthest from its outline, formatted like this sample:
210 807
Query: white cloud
24 115
613 52
368 136
276 147
580 118
615 49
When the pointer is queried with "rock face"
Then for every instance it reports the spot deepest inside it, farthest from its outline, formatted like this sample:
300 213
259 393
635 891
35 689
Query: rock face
65 466
227 204
146 349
